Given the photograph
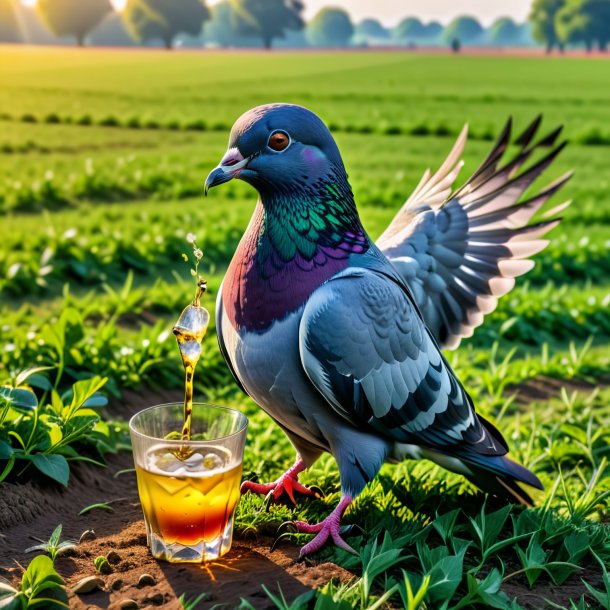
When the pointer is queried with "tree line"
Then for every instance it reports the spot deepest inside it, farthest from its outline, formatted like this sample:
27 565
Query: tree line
267 23
236 23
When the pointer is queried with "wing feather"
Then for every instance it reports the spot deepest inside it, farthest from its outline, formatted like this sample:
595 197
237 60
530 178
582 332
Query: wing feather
461 254
392 379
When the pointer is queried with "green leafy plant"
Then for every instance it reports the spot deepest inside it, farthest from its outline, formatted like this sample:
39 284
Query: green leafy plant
191 603
102 565
40 589
45 435
54 547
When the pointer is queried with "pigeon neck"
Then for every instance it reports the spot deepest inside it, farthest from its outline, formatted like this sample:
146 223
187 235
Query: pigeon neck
293 245
299 219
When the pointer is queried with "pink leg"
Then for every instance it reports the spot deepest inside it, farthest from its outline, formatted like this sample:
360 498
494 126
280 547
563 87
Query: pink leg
288 482
329 528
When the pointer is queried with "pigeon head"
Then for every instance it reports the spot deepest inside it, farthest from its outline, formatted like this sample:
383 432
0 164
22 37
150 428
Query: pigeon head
280 149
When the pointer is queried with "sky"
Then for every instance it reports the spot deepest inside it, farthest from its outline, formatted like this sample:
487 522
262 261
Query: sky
390 12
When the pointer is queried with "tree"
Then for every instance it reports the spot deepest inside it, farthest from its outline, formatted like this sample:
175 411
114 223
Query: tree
434 29
9 27
505 31
584 21
542 17
463 30
164 19
408 29
111 32
220 29
371 28
331 27
73 17
267 19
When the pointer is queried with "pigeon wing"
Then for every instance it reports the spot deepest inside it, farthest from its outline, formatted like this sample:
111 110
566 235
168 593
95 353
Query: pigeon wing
460 252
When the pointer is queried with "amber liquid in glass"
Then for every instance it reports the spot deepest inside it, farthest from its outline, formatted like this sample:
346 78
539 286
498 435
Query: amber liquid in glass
188 501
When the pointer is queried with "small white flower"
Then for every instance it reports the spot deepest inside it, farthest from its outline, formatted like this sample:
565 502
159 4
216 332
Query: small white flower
31 336
9 347
70 233
126 351
145 343
191 238
198 254
163 336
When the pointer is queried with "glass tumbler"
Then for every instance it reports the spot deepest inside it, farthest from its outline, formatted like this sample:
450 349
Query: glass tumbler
188 489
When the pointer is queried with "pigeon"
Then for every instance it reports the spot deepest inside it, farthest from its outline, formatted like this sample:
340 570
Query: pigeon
338 338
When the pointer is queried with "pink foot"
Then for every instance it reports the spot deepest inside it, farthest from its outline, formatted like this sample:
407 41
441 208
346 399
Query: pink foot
288 483
329 528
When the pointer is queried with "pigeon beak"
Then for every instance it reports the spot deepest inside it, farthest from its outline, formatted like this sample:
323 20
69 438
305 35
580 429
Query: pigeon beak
230 167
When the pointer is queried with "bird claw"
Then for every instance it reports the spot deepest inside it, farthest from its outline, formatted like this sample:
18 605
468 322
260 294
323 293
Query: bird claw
287 525
351 530
287 485
326 532
279 539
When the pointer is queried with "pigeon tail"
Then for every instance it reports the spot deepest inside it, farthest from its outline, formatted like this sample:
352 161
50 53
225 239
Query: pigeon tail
500 476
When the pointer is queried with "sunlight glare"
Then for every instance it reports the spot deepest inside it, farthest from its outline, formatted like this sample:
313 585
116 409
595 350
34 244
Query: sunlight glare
118 5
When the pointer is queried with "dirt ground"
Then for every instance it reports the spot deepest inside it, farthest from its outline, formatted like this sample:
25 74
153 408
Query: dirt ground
35 509
27 510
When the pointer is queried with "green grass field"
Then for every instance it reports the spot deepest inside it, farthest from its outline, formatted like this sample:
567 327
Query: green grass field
103 157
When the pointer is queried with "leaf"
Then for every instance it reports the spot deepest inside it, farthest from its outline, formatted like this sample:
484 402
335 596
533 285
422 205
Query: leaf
507 325
5 450
84 390
101 505
444 524
40 381
40 575
97 400
19 398
54 466
6 591
445 578
28 373
55 536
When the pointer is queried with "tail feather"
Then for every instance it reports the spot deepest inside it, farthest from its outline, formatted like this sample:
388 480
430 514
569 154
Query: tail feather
500 476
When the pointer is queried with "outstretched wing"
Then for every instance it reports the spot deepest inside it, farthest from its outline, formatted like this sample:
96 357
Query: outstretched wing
460 252
365 348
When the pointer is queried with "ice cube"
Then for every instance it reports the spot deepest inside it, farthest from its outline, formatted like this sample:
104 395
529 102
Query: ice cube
167 462
194 463
211 461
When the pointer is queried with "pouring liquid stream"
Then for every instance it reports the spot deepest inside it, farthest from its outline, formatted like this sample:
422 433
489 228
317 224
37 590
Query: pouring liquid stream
189 331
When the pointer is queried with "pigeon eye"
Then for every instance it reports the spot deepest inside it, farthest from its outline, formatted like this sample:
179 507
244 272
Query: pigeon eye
279 140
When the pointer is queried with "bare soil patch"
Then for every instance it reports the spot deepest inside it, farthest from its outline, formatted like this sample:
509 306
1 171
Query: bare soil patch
31 510
540 389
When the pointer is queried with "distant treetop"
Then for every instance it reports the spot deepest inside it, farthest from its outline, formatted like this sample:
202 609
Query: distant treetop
164 19
73 17
466 30
371 28
267 19
331 27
